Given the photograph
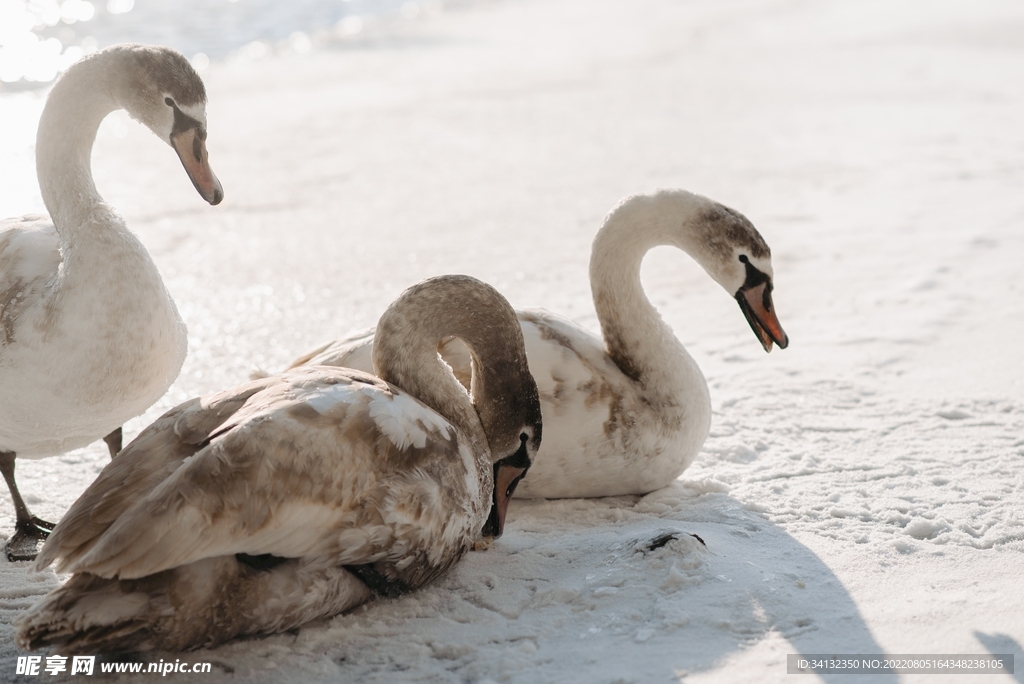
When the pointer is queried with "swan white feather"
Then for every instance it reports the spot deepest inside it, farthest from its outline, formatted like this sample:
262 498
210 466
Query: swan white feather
89 336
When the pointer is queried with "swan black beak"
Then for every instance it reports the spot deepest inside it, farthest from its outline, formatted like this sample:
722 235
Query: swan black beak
506 478
756 304
508 472
190 145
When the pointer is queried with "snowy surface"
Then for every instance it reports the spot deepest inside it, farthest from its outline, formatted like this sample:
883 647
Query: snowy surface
861 491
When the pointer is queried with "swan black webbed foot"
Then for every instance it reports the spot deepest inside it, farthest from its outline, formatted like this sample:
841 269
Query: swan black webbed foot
28 529
28 534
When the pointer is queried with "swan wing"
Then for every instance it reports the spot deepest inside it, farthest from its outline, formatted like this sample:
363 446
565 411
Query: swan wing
151 458
564 357
350 352
588 404
356 351
318 462
29 259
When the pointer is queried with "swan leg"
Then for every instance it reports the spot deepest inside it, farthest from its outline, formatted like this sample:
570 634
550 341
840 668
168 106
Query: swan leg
114 441
28 529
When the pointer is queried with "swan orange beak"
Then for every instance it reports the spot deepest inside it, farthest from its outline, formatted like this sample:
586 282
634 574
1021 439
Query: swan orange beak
756 304
506 478
190 145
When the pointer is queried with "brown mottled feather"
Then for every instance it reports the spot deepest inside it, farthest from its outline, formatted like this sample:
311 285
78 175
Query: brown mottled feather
96 615
31 242
151 459
315 470
256 470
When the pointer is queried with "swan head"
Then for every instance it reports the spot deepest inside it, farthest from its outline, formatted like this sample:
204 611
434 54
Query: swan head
162 90
736 256
503 403
720 239
509 470
505 394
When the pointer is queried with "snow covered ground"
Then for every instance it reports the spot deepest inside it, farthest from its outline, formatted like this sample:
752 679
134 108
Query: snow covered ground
861 491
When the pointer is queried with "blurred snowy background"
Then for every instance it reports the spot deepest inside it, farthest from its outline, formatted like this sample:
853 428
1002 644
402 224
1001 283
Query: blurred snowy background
40 38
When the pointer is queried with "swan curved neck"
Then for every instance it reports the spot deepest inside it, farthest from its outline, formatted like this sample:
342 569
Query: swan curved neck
504 394
637 339
405 353
76 106
417 369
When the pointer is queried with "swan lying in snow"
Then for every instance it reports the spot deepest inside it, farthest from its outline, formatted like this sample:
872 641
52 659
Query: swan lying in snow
89 336
628 413
298 496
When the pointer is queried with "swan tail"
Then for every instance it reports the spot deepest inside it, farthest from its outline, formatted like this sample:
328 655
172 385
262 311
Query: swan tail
193 606
90 614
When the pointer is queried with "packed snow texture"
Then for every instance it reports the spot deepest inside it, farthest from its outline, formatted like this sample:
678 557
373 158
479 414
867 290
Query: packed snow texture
860 492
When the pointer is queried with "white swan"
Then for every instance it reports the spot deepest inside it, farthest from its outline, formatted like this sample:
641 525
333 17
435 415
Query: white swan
297 496
626 414
89 336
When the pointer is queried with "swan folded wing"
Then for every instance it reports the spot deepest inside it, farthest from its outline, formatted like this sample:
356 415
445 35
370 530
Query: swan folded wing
356 351
302 470
350 352
150 459
569 363
556 340
29 258
560 331
556 347
586 402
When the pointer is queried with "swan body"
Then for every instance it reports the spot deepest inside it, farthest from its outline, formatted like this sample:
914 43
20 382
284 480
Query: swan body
628 412
83 350
89 336
297 496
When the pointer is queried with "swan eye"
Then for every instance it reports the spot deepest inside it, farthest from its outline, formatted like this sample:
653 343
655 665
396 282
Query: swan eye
524 438
169 102
744 259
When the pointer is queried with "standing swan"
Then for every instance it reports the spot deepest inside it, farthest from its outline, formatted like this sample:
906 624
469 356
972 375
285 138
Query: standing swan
628 413
294 497
89 336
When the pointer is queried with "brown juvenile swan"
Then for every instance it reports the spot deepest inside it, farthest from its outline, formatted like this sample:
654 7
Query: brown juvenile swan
89 336
297 496
628 413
